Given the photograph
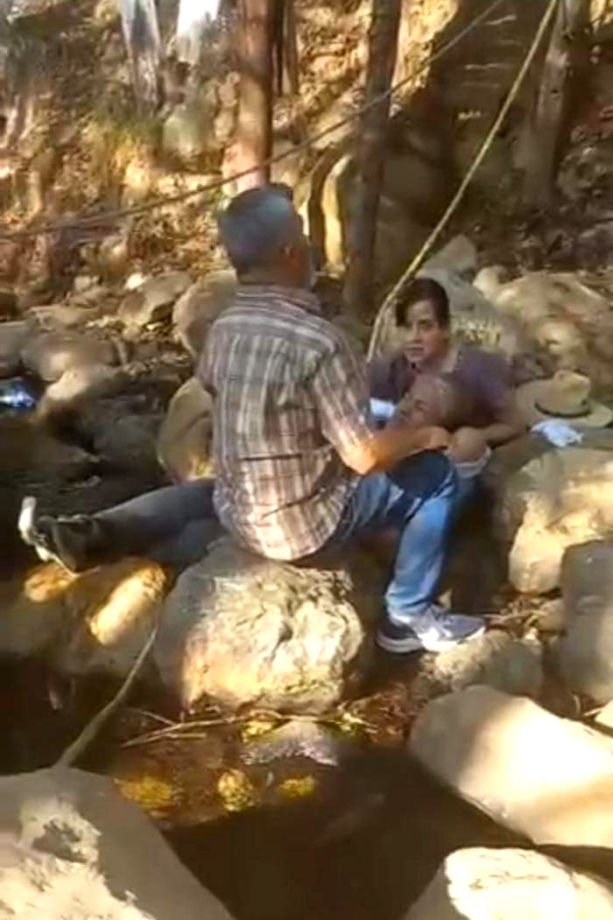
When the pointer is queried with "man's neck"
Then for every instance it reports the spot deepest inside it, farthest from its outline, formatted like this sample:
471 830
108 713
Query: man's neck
266 279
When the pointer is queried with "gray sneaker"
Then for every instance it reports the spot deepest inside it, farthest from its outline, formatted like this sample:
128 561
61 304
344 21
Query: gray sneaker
436 630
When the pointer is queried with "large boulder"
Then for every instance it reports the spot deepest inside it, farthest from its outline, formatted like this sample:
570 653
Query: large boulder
547 778
244 630
559 499
482 884
496 659
199 306
184 439
585 653
74 849
564 319
96 622
48 355
153 300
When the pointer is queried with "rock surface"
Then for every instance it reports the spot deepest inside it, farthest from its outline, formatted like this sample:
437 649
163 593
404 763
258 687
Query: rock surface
199 306
482 884
565 320
153 300
184 439
92 623
51 354
495 660
244 630
73 848
12 339
585 653
547 778
557 500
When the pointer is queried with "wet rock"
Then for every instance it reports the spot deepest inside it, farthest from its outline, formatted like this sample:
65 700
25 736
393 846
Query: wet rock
184 440
12 338
73 847
243 630
49 354
153 300
295 739
482 884
496 660
97 622
562 498
199 306
584 655
545 777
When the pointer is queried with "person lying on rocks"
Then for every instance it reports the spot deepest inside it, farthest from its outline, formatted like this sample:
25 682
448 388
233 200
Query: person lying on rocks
434 380
301 469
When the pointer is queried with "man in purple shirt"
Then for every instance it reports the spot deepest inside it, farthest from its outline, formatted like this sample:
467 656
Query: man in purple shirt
433 380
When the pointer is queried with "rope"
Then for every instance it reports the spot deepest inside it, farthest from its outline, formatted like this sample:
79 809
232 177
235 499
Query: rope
85 738
109 216
395 293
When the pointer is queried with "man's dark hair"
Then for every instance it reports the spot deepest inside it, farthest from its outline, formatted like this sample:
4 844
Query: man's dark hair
425 289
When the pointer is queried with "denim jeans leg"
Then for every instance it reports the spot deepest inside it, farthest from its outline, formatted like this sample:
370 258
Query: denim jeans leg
418 497
159 518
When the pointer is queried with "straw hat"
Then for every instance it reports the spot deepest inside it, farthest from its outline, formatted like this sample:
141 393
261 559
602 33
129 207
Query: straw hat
566 396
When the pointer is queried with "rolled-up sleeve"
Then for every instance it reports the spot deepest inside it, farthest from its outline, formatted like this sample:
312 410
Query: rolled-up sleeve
340 389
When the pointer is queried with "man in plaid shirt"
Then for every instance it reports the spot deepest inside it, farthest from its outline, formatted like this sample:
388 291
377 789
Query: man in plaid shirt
300 466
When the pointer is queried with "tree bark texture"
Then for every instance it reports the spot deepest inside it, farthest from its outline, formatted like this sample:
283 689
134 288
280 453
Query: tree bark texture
550 122
142 37
255 63
383 49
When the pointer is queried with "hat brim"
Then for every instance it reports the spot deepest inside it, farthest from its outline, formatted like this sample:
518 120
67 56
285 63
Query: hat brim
527 397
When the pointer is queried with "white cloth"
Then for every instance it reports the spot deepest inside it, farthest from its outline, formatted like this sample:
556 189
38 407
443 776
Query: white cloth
470 469
558 432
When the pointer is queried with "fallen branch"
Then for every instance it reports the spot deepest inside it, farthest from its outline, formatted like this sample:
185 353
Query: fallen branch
74 751
183 730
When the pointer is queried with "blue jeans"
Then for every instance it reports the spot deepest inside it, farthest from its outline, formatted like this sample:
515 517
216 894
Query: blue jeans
419 498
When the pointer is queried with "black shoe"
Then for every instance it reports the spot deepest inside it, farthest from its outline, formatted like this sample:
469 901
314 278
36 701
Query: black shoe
398 639
72 542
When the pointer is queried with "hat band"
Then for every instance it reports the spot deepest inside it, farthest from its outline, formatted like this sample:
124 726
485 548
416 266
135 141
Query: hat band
576 413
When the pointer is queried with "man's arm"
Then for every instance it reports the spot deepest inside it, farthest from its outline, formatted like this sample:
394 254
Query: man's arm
387 447
341 393
508 423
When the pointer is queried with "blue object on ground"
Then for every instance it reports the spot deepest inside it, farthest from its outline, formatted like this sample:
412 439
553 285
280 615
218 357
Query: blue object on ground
14 394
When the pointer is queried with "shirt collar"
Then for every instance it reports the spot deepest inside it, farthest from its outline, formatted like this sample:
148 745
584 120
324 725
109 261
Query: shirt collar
298 297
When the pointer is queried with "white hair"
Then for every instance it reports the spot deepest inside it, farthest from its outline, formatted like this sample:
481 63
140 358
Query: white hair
256 225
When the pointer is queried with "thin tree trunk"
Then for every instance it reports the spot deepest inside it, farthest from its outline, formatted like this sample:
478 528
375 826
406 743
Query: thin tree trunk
254 126
551 117
142 37
383 48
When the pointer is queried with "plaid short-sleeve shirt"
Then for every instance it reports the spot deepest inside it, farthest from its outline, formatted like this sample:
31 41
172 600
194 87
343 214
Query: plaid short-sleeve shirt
289 395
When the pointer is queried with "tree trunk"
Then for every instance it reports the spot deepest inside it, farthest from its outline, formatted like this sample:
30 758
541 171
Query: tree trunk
383 48
142 37
254 126
551 118
193 18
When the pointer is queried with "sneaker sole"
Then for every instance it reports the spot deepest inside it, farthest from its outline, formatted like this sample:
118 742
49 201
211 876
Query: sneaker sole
399 646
